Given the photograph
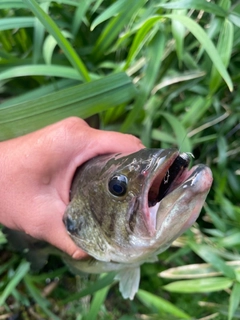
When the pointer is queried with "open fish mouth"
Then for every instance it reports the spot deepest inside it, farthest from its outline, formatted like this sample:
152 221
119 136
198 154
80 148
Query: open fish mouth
172 184
163 183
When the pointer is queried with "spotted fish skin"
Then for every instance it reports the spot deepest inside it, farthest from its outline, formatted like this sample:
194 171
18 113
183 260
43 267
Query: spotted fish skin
127 208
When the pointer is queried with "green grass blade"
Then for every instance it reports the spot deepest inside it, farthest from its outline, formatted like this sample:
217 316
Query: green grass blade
178 31
235 19
150 300
21 271
41 70
196 111
199 285
193 271
180 133
115 26
98 285
8 4
224 48
110 12
9 264
197 5
207 255
234 300
97 301
42 302
14 23
63 43
154 59
39 35
40 92
207 44
50 44
82 101
162 136
79 15
138 41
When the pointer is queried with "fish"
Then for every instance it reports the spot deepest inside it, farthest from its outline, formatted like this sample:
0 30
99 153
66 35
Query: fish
126 209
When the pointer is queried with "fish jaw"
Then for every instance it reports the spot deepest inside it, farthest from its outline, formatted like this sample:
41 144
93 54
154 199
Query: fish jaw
180 208
164 173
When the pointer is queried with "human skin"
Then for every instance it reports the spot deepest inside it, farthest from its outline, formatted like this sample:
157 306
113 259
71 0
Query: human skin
36 172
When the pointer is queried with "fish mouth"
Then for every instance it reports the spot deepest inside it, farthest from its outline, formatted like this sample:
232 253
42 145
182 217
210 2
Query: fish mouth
166 177
164 181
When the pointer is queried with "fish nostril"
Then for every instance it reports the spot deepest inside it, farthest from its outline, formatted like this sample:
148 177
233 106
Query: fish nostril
70 224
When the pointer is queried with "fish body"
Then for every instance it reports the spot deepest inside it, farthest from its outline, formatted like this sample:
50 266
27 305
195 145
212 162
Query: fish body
126 209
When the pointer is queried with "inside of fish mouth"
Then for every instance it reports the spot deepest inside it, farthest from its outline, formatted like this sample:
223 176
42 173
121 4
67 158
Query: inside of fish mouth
160 187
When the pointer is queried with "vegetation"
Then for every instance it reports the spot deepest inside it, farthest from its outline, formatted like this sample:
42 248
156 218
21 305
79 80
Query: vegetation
167 72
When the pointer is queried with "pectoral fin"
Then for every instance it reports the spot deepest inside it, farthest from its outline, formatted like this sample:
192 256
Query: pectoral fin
129 279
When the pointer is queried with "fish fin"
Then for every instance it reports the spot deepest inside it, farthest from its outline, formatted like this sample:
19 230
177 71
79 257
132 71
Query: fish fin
129 279
152 259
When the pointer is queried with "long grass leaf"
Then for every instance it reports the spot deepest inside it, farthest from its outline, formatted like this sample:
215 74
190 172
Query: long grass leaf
8 4
98 285
224 48
63 43
162 305
110 12
199 285
207 255
42 302
40 92
115 25
196 111
193 271
21 271
182 140
41 70
207 43
82 101
234 300
39 35
197 5
162 136
79 15
9 264
138 41
50 44
17 22
178 31
96 303
154 60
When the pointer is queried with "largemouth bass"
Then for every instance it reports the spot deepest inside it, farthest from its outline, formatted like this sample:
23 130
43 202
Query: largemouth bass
126 209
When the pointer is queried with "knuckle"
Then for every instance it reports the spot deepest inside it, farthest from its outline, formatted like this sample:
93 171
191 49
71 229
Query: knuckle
70 126
73 122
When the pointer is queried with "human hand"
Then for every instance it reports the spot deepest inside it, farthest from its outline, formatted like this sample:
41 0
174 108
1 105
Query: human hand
36 173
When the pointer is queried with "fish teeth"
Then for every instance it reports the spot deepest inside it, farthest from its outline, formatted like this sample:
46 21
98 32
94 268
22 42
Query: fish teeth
186 156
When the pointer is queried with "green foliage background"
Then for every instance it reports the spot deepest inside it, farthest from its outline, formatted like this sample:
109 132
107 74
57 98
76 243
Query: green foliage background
166 71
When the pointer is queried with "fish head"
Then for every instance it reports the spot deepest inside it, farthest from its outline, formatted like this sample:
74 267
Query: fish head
125 208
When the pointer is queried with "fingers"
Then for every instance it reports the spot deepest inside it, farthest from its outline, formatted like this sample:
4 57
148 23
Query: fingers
111 142
87 142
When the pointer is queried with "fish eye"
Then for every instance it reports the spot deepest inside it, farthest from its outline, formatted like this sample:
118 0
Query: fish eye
117 185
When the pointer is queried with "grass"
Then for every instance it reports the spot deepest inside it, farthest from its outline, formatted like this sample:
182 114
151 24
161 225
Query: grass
176 72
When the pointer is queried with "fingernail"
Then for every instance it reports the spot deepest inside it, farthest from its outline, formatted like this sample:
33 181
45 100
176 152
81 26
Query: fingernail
79 255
